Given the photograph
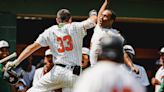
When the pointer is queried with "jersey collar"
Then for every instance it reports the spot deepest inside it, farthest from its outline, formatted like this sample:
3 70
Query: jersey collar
60 25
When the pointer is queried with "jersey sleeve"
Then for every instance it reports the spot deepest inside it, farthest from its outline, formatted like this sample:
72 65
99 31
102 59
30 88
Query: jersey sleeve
86 24
42 39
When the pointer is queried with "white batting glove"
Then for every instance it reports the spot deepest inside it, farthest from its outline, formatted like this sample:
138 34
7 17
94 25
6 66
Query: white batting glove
93 13
10 65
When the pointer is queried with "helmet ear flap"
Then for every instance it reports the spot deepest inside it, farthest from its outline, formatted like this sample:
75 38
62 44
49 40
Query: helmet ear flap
10 76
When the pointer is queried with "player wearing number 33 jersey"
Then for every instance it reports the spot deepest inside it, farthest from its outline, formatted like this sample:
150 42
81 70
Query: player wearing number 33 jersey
65 42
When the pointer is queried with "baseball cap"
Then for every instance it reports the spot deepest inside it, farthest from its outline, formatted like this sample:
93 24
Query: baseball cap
4 43
129 48
85 50
162 50
48 52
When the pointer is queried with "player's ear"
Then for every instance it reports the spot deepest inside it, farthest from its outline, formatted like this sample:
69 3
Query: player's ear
58 20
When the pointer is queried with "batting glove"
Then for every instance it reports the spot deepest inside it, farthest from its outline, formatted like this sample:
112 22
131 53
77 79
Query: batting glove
10 65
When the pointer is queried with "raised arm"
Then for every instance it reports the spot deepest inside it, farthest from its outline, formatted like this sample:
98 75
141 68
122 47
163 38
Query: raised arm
27 52
103 7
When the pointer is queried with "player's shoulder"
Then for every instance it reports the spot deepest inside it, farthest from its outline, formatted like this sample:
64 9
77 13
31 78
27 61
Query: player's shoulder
51 28
104 66
97 71
74 23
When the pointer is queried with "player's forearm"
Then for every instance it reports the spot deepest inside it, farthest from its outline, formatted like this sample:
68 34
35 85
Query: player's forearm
93 18
128 61
28 51
103 7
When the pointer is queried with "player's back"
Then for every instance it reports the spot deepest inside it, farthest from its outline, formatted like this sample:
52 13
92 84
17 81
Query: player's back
107 77
65 42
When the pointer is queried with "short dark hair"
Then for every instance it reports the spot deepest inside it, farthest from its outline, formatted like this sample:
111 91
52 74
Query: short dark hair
64 14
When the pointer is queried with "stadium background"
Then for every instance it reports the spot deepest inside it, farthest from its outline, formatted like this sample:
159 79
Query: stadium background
140 21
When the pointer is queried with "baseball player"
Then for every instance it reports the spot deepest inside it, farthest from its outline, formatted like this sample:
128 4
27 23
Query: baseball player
106 75
65 42
48 64
104 26
85 58
141 76
160 73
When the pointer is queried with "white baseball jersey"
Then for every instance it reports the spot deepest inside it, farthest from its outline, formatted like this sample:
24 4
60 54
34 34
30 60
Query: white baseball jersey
141 77
99 32
66 42
38 74
66 45
159 76
106 77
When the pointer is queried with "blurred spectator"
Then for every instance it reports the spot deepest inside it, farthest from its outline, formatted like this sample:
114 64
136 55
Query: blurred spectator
156 81
85 58
159 61
21 86
4 52
26 72
48 64
142 75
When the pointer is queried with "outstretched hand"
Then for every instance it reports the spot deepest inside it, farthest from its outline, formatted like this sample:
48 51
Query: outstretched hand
9 65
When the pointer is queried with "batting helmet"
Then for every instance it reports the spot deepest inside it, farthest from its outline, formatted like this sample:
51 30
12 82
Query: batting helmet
10 76
111 47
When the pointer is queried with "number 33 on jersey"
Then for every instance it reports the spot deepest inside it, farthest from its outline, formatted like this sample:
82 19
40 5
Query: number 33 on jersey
65 43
